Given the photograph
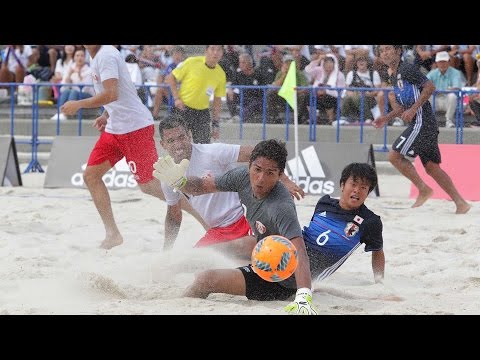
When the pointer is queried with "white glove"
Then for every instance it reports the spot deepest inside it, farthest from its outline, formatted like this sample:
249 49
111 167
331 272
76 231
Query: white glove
302 304
170 173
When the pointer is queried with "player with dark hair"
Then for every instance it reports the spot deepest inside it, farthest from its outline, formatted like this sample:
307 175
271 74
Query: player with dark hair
339 226
269 209
412 93
229 231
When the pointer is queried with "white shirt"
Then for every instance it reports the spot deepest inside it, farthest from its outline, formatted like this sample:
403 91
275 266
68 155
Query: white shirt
62 67
218 209
135 73
22 57
127 113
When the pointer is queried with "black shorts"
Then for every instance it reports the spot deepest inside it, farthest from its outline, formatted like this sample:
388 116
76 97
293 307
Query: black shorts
258 289
198 122
423 142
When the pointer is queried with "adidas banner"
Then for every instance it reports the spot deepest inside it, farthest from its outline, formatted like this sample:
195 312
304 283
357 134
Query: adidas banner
319 166
9 169
68 160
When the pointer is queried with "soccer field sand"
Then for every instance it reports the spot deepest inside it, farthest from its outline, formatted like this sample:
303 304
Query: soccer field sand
51 262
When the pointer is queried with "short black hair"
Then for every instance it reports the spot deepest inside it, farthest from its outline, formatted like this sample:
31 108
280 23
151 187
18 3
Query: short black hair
271 149
360 171
207 46
171 121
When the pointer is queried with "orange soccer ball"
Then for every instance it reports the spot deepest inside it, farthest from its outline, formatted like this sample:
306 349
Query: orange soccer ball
274 258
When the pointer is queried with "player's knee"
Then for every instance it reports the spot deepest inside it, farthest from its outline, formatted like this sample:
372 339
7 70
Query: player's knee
87 178
393 157
431 168
206 280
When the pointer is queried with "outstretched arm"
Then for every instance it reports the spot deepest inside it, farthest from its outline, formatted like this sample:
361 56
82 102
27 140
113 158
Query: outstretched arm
172 82
294 189
427 91
302 273
199 186
302 304
110 94
396 111
173 220
174 175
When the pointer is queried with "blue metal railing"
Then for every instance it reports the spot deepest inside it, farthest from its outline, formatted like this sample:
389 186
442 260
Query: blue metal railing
34 141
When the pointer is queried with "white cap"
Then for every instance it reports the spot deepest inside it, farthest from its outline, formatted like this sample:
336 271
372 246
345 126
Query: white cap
442 56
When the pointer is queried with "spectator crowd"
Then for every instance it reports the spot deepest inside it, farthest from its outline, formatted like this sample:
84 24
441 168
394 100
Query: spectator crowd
329 75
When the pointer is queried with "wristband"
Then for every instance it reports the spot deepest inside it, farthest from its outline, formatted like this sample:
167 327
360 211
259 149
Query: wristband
215 124
180 183
304 291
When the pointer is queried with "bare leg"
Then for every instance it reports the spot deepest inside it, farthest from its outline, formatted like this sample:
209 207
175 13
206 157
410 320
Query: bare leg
226 281
154 188
408 170
238 249
445 182
101 198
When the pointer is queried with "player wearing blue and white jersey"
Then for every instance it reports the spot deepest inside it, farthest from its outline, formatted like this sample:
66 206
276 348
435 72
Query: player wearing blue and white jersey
339 226
412 93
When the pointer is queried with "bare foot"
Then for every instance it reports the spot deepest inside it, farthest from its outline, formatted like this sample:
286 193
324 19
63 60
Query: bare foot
423 196
463 208
111 241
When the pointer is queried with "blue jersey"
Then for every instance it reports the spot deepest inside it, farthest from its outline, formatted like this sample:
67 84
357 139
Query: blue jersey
333 235
421 135
407 84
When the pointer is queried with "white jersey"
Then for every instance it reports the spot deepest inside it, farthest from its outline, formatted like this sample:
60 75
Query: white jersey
127 113
218 209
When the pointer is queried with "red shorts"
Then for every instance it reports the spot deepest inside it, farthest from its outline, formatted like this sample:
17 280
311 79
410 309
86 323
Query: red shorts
223 234
138 147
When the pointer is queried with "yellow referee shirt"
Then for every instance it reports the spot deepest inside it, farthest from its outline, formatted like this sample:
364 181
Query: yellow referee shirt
199 82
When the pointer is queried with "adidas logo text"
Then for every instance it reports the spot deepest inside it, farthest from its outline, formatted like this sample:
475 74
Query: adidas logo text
118 177
310 170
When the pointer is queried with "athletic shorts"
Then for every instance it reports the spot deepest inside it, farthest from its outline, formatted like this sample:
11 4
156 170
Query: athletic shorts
218 235
198 122
138 147
258 289
422 143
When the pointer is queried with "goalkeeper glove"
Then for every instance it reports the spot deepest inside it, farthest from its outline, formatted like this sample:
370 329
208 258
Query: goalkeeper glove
302 304
170 173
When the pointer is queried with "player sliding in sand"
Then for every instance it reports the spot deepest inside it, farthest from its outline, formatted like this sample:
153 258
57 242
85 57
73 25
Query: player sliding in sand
229 231
412 92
